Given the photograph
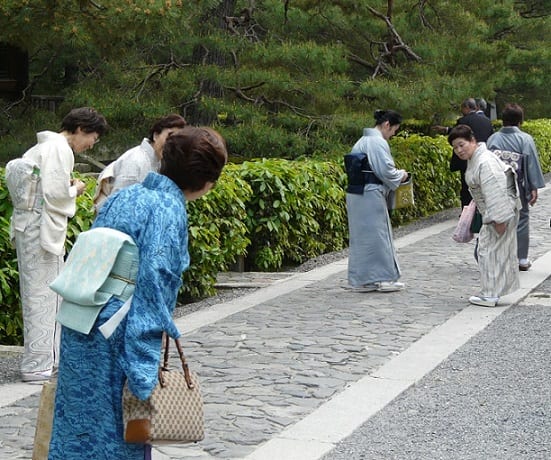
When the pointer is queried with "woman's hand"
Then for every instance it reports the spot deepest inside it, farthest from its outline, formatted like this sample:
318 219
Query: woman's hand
405 177
500 228
533 197
81 186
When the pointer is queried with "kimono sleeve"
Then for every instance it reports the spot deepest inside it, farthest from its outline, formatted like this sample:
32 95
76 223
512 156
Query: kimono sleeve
163 257
383 165
534 174
55 172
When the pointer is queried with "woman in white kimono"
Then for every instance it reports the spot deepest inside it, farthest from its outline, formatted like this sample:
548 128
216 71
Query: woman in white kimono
39 233
372 262
134 164
493 186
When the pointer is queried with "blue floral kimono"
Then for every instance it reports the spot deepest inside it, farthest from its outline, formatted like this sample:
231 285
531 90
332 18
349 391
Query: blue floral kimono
92 371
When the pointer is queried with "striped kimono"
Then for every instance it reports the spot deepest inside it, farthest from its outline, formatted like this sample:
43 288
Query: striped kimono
493 187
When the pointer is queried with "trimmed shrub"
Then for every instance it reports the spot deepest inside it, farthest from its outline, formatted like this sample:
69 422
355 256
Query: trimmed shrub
297 211
218 234
540 130
275 212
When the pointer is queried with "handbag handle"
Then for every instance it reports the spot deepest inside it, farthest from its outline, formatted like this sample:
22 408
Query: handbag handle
164 367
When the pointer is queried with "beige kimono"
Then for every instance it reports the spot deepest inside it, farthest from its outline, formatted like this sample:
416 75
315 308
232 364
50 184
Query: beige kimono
493 187
39 237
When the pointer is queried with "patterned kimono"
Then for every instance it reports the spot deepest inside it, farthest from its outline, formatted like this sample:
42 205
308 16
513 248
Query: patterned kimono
88 413
372 257
39 238
493 187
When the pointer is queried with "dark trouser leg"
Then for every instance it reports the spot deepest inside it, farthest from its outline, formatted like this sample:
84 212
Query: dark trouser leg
523 230
464 195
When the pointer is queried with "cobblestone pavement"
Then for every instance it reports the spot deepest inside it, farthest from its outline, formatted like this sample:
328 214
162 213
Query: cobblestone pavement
268 366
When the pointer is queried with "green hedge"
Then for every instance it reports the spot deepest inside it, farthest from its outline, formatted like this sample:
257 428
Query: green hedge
273 212
540 130
427 159
296 211
218 234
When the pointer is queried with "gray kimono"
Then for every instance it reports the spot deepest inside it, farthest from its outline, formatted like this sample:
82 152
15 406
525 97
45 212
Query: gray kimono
372 256
513 139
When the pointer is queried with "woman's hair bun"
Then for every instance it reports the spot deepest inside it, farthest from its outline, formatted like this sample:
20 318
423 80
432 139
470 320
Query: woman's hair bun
394 118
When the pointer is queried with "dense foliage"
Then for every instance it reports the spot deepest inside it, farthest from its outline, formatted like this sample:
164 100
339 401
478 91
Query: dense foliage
279 78
272 212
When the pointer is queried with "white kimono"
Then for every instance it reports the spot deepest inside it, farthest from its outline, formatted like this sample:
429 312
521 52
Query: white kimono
372 256
39 236
130 168
493 187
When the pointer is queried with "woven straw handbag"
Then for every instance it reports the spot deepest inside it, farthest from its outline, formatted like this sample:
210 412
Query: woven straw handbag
402 197
174 411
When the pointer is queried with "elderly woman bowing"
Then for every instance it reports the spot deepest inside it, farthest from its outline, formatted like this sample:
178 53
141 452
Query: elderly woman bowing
493 186
94 365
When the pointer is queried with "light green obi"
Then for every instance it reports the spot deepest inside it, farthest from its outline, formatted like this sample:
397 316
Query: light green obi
103 263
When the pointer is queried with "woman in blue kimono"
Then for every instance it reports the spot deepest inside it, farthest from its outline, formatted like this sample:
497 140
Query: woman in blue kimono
88 420
372 262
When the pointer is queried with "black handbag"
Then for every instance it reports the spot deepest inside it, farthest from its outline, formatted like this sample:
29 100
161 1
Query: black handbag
476 223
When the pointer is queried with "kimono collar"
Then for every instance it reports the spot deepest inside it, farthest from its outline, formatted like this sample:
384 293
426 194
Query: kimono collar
510 130
372 132
146 146
481 147
45 136
160 183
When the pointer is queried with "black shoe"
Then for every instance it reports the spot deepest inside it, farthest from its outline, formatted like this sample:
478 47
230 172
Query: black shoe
525 267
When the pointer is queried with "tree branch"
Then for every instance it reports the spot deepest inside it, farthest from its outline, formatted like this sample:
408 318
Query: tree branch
286 12
158 70
422 4
244 22
533 9
263 100
361 61
395 38
88 159
27 90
